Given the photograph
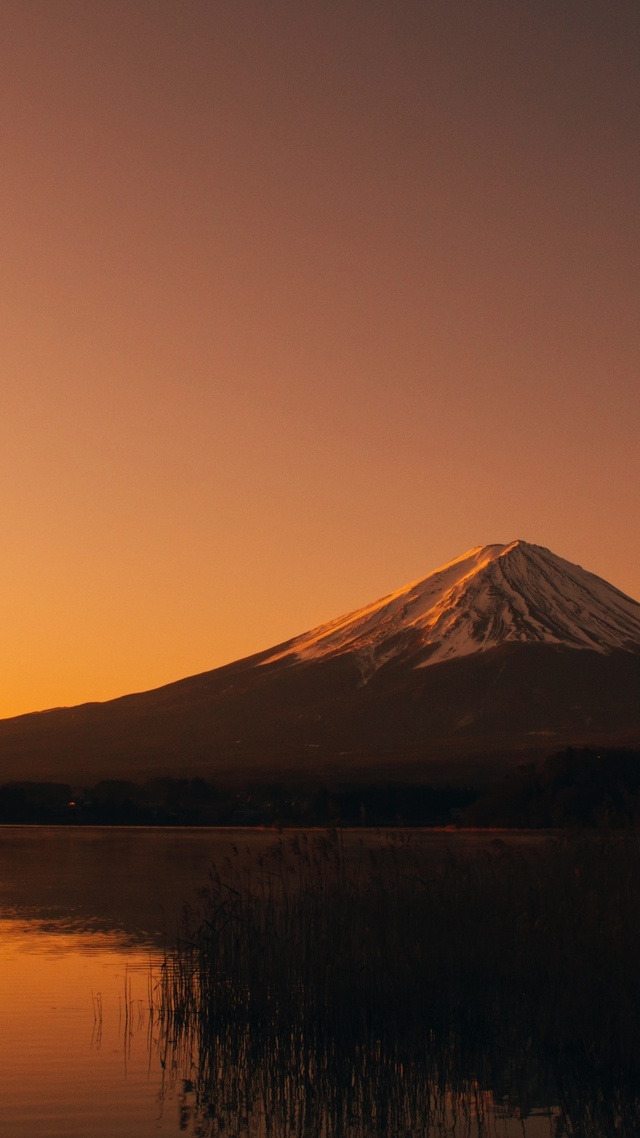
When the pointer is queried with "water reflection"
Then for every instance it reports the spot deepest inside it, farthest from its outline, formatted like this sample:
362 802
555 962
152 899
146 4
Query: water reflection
254 1084
74 1055
133 881
94 1041
84 916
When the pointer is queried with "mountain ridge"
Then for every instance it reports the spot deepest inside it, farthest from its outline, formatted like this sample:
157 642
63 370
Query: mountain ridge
478 601
506 651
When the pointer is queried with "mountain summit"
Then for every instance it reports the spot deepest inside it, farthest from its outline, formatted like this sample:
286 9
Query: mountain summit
506 652
491 595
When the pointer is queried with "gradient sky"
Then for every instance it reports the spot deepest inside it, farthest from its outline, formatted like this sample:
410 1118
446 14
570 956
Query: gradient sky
300 299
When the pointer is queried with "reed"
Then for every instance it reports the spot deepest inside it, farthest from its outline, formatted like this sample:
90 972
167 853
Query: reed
321 973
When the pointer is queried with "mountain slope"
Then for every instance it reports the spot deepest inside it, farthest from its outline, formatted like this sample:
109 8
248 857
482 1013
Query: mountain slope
489 596
508 650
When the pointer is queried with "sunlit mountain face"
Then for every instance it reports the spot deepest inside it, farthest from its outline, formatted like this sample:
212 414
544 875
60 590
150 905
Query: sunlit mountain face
507 651
490 596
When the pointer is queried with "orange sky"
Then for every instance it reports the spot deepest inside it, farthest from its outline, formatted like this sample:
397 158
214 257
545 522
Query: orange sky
300 300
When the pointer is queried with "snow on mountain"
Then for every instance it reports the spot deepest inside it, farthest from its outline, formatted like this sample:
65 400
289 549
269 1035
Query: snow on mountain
490 595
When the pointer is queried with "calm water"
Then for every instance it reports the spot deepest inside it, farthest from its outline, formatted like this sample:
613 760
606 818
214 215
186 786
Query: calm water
84 914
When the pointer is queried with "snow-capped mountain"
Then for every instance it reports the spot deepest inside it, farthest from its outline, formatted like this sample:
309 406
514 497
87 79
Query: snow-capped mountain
491 595
507 651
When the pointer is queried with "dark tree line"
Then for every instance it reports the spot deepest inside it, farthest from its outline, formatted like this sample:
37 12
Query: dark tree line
196 802
578 787
575 788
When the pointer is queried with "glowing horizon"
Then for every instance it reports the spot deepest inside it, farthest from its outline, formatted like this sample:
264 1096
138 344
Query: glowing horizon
298 303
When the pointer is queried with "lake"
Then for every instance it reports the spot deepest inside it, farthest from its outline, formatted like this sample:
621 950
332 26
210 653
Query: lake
85 915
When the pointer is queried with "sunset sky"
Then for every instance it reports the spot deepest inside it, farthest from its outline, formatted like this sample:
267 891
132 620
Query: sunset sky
300 299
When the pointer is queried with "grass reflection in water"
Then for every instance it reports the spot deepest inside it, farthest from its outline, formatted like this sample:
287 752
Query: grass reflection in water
404 991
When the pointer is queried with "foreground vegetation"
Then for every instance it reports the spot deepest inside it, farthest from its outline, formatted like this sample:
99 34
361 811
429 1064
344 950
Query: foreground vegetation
333 990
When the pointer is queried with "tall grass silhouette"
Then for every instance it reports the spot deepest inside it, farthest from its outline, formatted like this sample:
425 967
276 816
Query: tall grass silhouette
332 989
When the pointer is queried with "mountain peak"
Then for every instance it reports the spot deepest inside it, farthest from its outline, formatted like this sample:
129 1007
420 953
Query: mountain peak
572 675
488 596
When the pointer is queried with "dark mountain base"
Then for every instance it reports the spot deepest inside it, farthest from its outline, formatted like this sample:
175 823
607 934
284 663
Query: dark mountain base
454 721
